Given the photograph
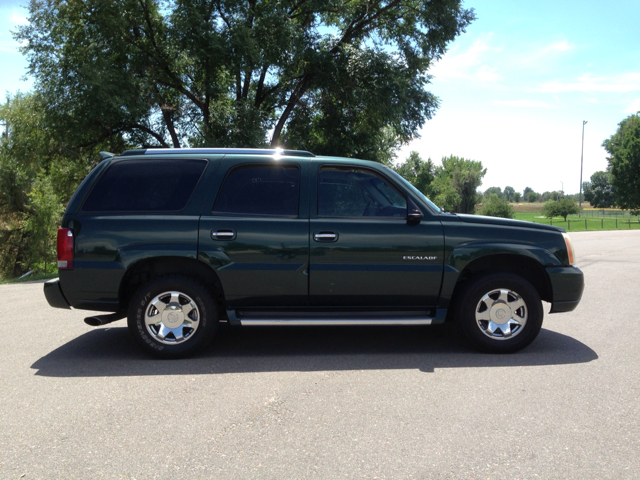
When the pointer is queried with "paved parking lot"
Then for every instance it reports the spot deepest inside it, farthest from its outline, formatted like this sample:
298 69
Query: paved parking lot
79 402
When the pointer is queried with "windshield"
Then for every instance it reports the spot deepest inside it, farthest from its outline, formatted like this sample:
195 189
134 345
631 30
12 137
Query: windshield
399 177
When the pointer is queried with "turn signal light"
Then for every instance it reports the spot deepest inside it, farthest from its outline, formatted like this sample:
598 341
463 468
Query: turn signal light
65 249
567 242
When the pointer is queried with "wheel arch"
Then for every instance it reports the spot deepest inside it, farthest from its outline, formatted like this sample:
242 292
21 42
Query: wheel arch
149 269
524 266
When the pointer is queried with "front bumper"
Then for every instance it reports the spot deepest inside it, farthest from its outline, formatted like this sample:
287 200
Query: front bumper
567 284
53 294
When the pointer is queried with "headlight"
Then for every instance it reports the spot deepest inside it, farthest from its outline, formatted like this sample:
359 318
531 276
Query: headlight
567 242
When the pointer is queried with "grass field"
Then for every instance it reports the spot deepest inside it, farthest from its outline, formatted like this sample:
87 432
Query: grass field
581 224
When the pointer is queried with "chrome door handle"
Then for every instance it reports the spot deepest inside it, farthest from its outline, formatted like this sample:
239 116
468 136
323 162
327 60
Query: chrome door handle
223 234
325 236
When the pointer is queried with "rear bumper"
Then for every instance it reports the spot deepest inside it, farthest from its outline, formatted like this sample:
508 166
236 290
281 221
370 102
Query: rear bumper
53 294
567 284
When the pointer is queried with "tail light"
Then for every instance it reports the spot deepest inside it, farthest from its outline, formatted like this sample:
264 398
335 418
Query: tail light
65 249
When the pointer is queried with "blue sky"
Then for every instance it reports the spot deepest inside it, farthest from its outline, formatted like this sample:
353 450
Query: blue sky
514 88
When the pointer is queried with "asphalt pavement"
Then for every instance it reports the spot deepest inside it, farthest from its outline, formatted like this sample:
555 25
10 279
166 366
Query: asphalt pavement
328 403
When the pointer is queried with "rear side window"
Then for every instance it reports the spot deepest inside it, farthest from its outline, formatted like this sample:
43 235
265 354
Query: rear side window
145 186
260 190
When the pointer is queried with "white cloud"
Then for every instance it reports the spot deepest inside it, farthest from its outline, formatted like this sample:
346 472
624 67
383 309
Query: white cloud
487 74
627 82
634 107
562 46
522 103
9 46
18 18
470 64
540 55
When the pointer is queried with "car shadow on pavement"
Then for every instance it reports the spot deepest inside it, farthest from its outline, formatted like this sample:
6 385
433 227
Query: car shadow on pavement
112 352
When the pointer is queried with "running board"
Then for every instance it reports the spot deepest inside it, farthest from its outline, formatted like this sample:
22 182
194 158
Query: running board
343 321
328 318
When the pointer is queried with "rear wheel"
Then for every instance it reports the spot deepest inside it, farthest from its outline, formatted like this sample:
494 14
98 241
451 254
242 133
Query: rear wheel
500 312
173 317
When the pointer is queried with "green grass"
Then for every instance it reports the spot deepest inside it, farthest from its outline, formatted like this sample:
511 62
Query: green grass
30 278
577 224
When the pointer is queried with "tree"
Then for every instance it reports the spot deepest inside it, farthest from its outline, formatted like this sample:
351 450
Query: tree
509 193
38 175
550 196
560 208
624 162
599 192
333 76
456 182
532 196
495 206
418 172
493 191
517 197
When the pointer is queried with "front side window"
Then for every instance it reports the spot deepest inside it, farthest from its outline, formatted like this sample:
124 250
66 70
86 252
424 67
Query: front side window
356 192
260 190
145 186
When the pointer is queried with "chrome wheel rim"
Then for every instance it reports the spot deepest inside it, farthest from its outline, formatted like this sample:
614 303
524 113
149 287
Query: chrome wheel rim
501 314
172 318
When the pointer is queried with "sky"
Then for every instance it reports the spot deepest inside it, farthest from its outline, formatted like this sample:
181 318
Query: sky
514 88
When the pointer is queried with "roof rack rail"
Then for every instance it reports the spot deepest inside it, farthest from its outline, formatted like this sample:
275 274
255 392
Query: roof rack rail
213 151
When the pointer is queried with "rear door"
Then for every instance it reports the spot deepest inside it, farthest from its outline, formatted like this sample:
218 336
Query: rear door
363 252
256 233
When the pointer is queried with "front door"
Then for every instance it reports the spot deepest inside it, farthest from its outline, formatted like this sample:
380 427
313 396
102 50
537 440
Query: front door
363 252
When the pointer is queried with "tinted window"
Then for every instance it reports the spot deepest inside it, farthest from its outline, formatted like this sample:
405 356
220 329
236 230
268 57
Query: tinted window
145 186
354 192
260 190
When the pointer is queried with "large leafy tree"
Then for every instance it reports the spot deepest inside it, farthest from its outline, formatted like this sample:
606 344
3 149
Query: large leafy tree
599 192
509 193
418 172
334 76
493 191
624 162
456 182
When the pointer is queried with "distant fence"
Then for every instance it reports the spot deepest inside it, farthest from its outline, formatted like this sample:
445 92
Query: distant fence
607 214
601 223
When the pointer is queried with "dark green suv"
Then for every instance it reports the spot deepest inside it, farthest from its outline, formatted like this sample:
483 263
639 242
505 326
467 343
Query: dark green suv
178 240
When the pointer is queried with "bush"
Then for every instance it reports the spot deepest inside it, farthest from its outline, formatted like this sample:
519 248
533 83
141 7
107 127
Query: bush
497 207
41 226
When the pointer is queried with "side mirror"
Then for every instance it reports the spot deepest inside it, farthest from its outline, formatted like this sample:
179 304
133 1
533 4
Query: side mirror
414 214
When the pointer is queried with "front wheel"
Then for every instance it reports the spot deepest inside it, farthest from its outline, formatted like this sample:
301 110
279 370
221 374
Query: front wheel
173 317
500 312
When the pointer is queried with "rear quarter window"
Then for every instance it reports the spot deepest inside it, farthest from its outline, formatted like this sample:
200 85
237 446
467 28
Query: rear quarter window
145 186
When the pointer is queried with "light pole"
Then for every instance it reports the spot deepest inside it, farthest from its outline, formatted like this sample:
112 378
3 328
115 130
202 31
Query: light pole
562 189
584 122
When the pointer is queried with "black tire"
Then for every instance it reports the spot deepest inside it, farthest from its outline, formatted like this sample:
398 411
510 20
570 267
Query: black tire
508 299
187 315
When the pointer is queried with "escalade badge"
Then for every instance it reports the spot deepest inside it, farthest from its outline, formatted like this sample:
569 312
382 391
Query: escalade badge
419 257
